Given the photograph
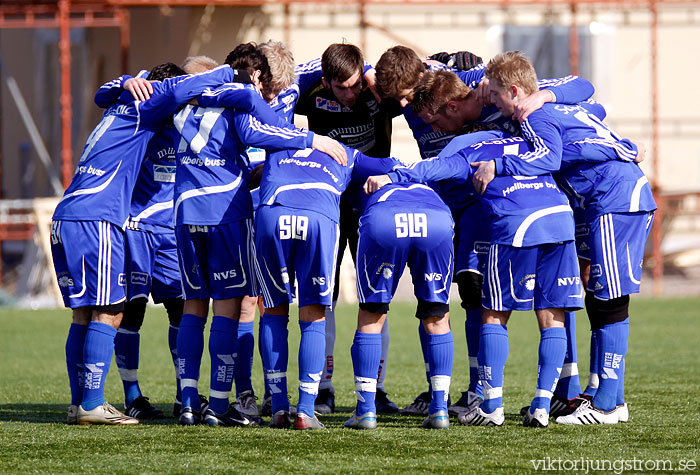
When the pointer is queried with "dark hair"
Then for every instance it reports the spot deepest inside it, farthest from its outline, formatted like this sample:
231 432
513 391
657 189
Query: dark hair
165 71
341 61
248 57
398 69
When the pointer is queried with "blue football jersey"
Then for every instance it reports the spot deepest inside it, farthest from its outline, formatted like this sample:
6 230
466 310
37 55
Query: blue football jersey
523 210
608 187
104 178
562 136
152 199
309 179
211 184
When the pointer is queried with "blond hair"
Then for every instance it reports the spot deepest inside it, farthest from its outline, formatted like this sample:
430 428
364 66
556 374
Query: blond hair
512 68
436 89
281 64
198 64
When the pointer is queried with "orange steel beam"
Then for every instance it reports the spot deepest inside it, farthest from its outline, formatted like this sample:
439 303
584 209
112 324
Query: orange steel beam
66 100
573 42
644 4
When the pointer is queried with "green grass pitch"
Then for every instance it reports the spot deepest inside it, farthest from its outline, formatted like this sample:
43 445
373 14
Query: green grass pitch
663 388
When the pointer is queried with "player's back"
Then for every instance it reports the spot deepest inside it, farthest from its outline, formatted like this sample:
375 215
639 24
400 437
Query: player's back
210 183
584 136
608 187
152 200
305 179
104 178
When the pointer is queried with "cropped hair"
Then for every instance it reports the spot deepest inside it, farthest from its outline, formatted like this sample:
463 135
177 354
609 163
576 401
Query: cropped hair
198 64
248 57
165 71
340 61
436 89
281 63
398 69
512 67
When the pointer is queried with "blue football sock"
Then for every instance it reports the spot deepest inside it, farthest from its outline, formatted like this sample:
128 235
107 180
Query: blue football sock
423 335
440 356
260 351
312 349
551 359
366 352
621 384
97 356
493 353
126 353
594 367
190 346
569 385
74 361
222 349
612 344
274 350
472 326
172 343
244 357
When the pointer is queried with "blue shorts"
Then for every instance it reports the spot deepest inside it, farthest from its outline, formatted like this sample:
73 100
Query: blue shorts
151 265
583 230
617 243
216 261
89 260
295 243
472 240
547 275
390 238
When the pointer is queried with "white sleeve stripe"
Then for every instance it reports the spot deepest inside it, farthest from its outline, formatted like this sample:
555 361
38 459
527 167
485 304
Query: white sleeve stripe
621 151
303 186
540 149
255 124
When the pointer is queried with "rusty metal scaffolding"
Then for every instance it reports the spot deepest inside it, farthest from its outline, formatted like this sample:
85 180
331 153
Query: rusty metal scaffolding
67 14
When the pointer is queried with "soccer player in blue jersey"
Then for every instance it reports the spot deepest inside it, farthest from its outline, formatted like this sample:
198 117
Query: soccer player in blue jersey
531 261
213 211
401 225
399 72
573 141
296 236
87 235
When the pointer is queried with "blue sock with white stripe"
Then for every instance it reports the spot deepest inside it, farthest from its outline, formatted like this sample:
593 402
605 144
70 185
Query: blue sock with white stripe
274 351
472 327
75 342
366 352
190 346
244 357
172 344
126 353
312 349
423 335
569 385
223 340
493 353
551 359
612 343
594 366
97 356
440 355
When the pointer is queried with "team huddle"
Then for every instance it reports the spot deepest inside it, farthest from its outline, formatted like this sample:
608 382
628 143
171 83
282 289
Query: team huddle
197 189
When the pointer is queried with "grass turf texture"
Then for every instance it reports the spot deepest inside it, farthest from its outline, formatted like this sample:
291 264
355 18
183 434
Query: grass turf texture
662 384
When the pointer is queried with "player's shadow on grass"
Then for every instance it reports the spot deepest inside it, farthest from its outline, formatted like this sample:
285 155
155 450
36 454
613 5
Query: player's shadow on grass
55 413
